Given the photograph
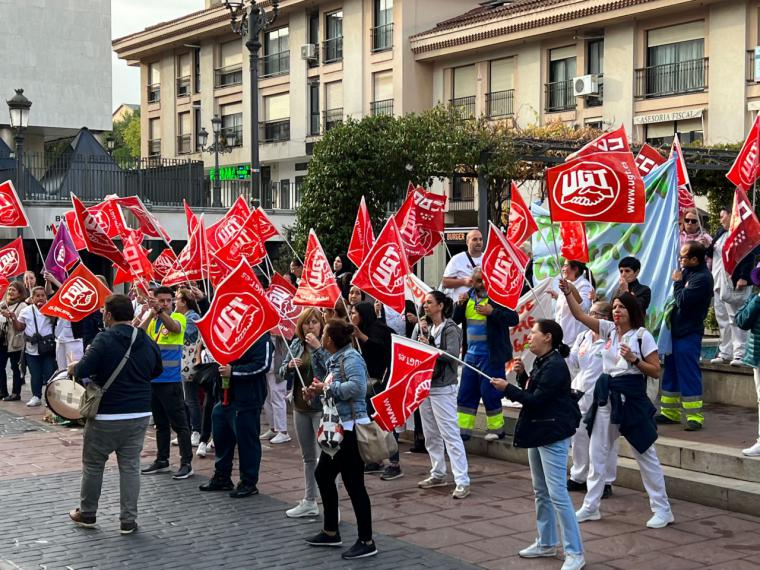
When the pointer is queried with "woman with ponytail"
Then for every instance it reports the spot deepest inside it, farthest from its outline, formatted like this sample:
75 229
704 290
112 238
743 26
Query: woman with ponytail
548 419
439 410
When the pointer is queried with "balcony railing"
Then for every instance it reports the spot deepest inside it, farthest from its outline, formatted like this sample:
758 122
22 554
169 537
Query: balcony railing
382 37
331 118
751 67
184 144
280 195
236 131
183 86
465 105
384 107
500 103
333 49
559 96
275 64
672 79
598 99
227 76
154 147
154 93
462 194
275 131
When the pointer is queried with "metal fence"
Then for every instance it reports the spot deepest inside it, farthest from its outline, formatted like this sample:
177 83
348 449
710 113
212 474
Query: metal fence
672 79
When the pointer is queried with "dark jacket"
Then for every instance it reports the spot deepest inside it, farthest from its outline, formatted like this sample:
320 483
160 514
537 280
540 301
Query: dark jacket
497 330
692 295
130 392
377 349
642 293
550 412
88 328
248 383
744 267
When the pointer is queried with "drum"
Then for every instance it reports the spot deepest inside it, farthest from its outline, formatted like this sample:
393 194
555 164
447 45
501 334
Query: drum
62 395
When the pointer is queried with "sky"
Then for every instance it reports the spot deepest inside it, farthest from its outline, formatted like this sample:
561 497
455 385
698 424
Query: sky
129 16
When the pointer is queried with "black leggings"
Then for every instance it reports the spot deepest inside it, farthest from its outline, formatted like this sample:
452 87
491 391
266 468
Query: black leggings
350 465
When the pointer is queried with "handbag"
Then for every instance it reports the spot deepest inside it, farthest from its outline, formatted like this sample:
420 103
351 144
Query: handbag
93 393
375 445
45 344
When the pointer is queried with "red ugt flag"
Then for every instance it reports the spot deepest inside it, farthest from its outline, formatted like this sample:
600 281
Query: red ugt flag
383 273
12 214
318 287
95 238
280 293
601 187
80 295
614 141
746 167
397 403
362 237
406 355
428 219
108 215
574 243
238 316
72 222
222 231
246 243
163 264
148 222
521 223
648 159
503 269
12 259
406 220
743 232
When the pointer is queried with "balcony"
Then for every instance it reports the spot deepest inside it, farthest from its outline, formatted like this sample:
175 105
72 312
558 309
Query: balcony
382 37
275 64
559 96
275 131
154 147
598 99
462 194
236 131
183 86
500 103
671 79
184 144
282 195
228 76
332 50
384 107
465 105
331 118
154 93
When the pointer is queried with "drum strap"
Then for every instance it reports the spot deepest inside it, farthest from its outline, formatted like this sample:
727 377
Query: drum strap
124 359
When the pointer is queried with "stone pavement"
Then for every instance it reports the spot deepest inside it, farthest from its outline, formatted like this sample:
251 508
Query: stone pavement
39 472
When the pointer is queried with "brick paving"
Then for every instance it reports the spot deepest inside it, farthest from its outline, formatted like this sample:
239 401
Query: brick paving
39 473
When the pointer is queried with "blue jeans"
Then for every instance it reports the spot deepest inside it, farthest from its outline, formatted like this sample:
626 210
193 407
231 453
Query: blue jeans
41 368
548 469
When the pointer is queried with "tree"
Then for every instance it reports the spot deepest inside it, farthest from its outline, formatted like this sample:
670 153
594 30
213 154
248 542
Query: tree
126 135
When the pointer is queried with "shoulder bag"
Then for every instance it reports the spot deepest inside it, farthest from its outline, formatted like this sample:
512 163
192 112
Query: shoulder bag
93 394
45 344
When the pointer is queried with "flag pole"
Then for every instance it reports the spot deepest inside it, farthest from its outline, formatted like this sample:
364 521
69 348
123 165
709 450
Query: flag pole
292 357
444 353
37 243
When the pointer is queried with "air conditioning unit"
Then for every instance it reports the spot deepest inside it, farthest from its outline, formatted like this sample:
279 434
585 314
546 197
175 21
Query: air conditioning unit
309 52
585 85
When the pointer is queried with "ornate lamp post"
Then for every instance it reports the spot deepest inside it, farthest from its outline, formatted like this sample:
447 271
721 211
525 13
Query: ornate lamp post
218 146
249 23
19 106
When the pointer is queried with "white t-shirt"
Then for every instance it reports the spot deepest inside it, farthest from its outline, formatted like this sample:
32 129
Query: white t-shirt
44 326
460 267
63 331
571 327
585 361
616 365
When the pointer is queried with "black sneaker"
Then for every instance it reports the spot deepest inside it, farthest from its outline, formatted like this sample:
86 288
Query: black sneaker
373 468
324 539
156 467
360 550
217 483
607 493
692 425
244 489
665 420
128 527
85 520
183 472
391 472
575 486
12 398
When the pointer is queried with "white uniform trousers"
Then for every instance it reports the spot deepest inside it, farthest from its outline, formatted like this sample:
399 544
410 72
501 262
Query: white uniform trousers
68 351
603 436
732 339
581 443
275 408
439 423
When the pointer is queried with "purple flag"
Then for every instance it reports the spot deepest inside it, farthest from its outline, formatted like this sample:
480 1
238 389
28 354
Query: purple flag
62 254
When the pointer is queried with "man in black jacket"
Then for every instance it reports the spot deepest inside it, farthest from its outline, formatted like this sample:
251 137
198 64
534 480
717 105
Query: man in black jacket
238 422
682 380
123 413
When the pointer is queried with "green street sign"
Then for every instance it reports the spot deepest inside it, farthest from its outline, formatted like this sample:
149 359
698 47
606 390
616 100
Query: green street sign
235 172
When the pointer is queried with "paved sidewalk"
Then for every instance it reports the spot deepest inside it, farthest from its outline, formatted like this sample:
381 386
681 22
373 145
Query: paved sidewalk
39 472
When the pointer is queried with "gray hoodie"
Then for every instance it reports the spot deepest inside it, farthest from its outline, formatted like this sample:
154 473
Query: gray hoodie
445 373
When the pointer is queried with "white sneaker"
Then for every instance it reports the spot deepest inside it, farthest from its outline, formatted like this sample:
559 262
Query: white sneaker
535 550
201 451
574 562
431 482
583 515
34 402
303 509
718 360
269 434
661 520
461 492
281 437
737 362
175 441
195 438
491 437
753 451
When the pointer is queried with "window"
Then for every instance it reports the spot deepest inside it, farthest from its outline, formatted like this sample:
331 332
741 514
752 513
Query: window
314 108
277 113
662 134
230 70
154 137
595 66
299 185
154 82
232 122
675 61
314 35
464 90
333 37
382 33
276 60
184 134
197 128
382 93
501 94
333 114
559 90
183 75
197 70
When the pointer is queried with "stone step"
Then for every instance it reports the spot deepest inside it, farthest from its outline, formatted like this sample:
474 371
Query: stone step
731 385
